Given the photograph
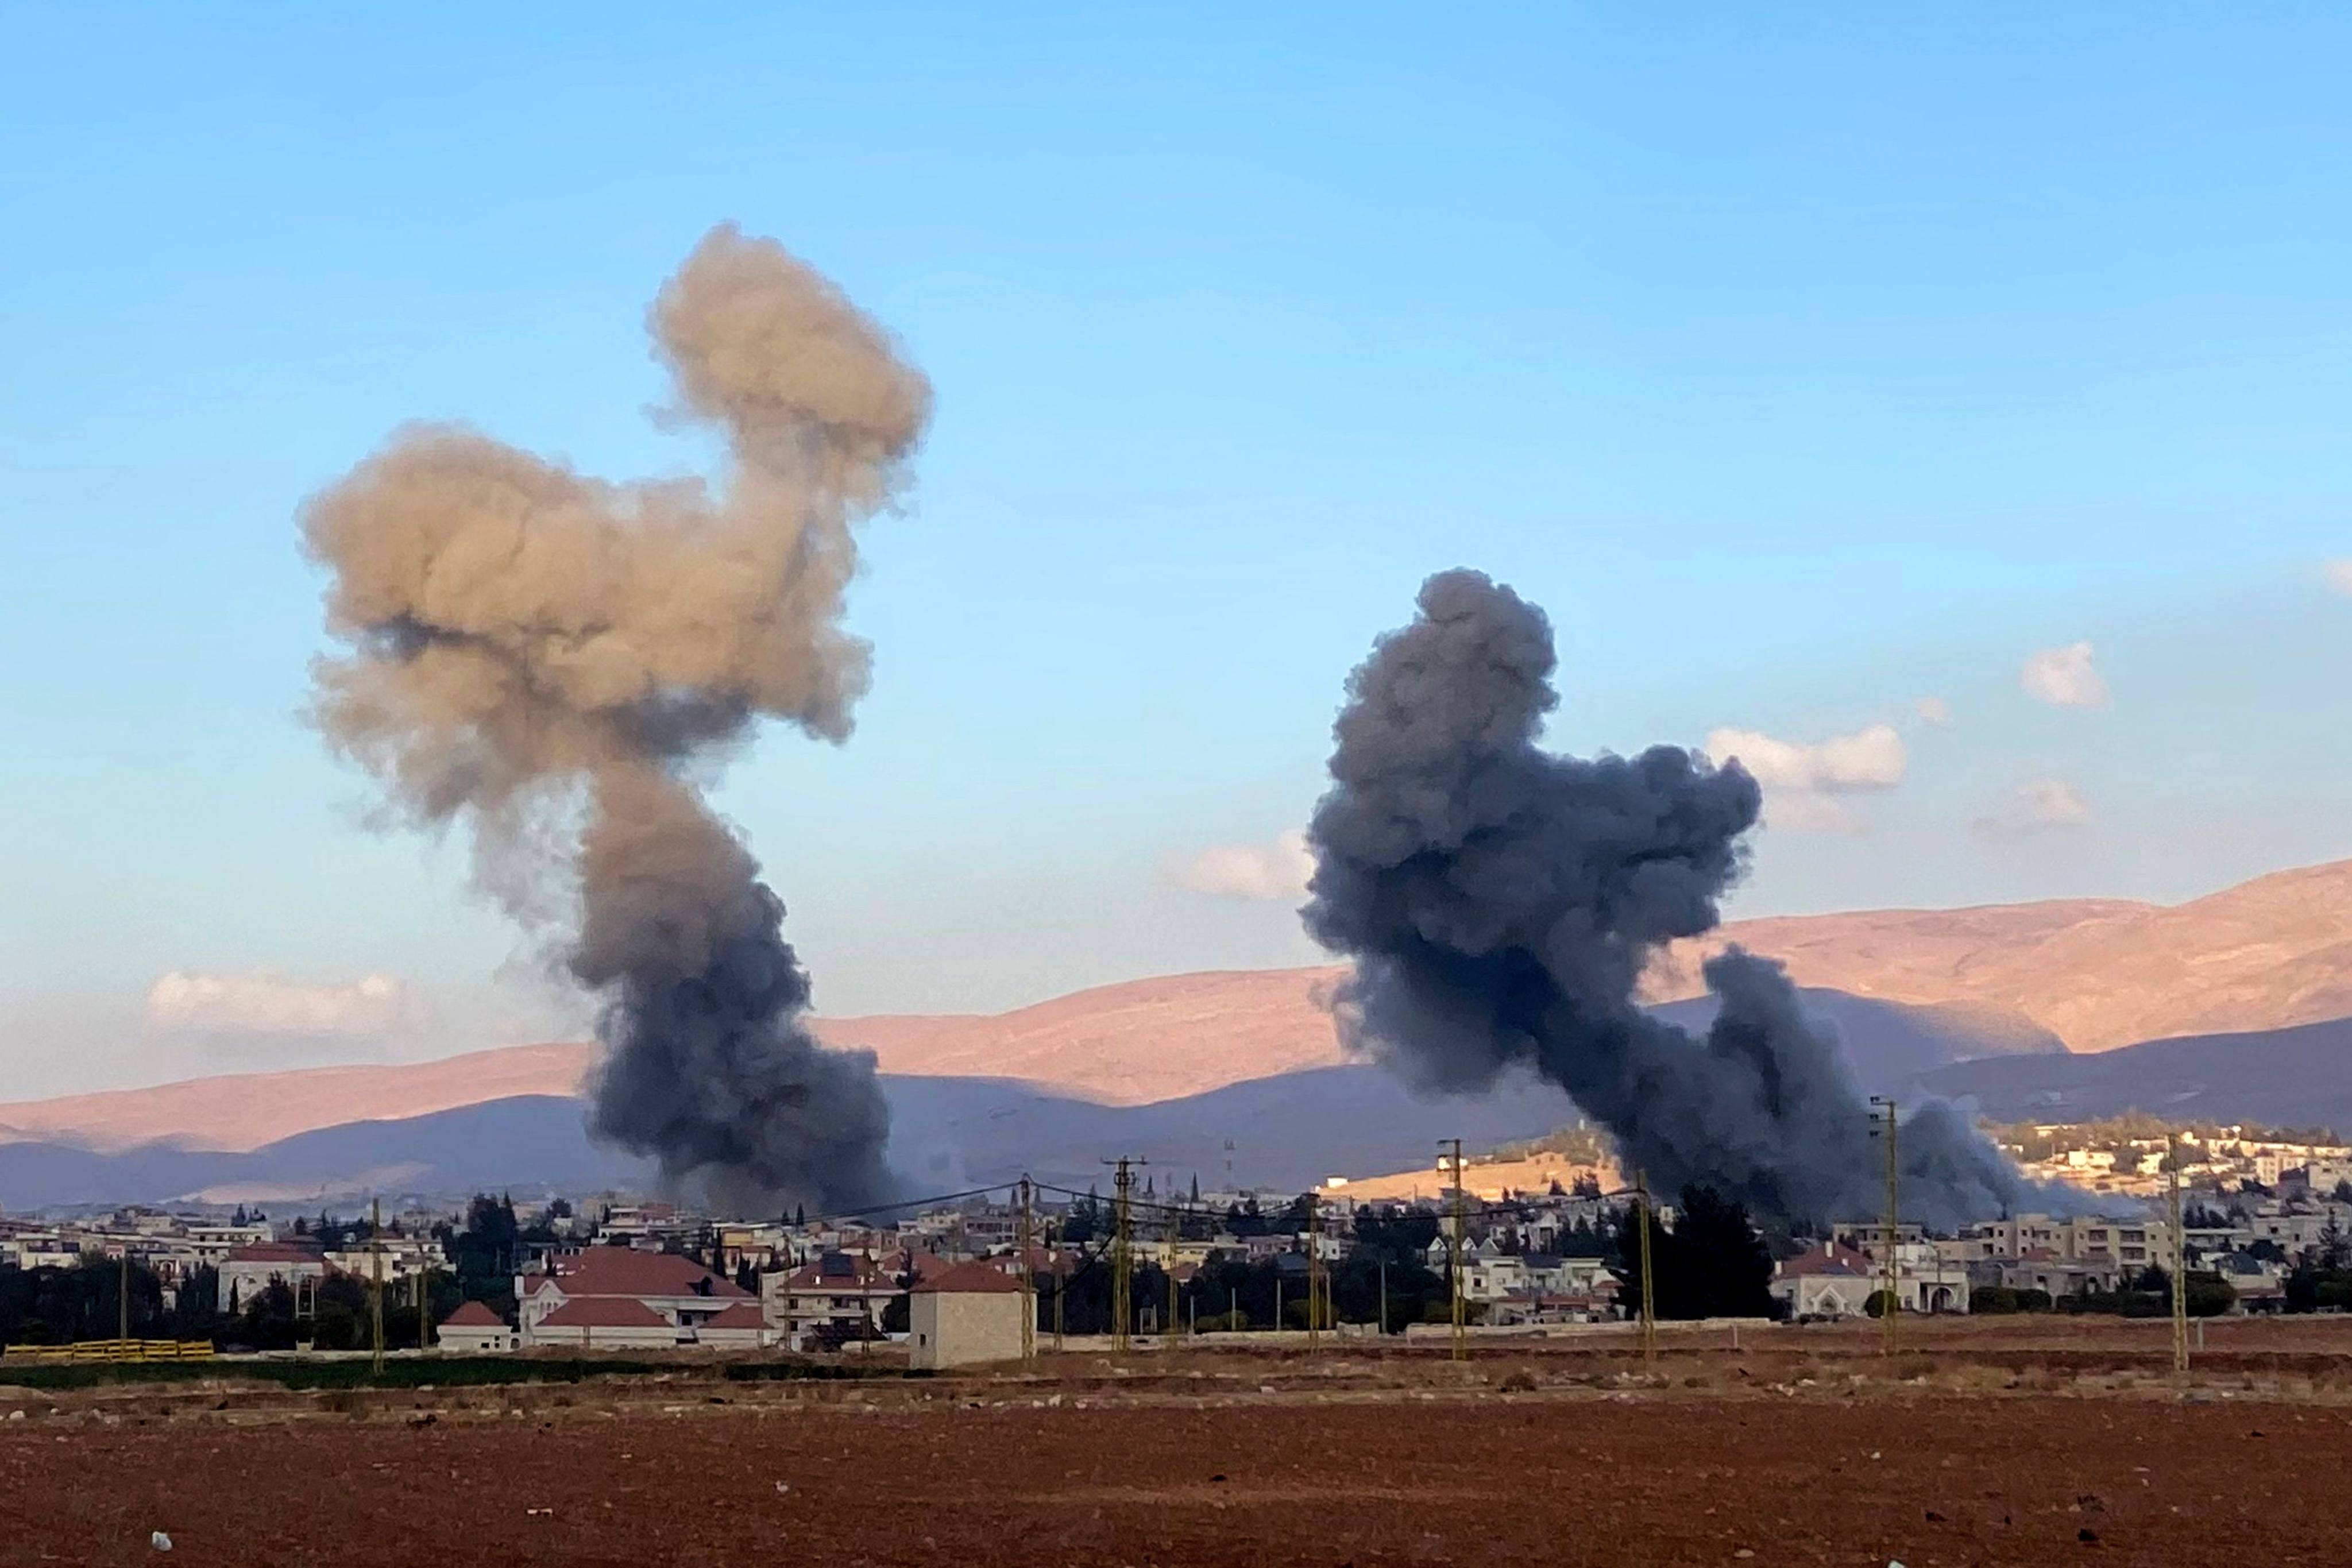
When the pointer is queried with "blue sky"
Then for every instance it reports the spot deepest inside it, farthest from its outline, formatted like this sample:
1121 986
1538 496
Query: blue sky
1803 368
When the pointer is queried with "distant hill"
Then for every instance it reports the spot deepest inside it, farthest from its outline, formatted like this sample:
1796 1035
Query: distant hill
2101 974
1911 990
1287 1129
2299 1077
1128 1044
948 1133
246 1110
1272 1014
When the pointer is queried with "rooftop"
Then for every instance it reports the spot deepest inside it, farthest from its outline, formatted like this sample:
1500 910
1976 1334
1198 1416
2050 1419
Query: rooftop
473 1315
604 1312
971 1279
625 1271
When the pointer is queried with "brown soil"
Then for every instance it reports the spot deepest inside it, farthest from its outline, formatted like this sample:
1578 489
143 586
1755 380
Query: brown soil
1785 1454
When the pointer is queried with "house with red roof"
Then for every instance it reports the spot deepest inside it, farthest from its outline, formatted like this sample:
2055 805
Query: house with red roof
741 1327
611 1295
604 1323
965 1315
1831 1280
839 1297
474 1329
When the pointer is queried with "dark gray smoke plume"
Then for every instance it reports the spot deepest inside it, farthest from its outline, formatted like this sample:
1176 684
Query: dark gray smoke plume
551 657
1500 904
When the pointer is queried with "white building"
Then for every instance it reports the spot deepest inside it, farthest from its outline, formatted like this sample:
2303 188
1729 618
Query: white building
248 1270
474 1329
618 1293
602 1323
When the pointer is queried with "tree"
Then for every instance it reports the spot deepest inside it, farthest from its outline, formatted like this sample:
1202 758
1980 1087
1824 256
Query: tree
1712 1264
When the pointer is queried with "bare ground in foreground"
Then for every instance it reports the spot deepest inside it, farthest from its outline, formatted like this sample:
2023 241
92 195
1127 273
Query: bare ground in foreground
1798 1449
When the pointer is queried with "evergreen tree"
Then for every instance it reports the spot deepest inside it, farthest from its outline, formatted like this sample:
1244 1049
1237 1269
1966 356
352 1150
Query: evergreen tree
1712 1264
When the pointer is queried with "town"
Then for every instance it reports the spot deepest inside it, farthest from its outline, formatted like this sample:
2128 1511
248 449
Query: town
2266 1226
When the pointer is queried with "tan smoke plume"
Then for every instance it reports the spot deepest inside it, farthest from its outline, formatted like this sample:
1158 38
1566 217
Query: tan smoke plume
541 652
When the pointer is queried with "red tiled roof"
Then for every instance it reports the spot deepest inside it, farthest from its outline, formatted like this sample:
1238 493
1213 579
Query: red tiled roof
971 1279
741 1315
473 1315
604 1312
625 1271
1827 1258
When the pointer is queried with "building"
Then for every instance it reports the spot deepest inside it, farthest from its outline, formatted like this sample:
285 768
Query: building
741 1327
602 1323
1521 1307
1826 1282
2100 1245
474 1329
678 1292
1835 1280
247 1272
968 1314
838 1297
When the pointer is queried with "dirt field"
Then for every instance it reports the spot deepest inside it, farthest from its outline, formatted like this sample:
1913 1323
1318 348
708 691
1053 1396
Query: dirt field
1798 1451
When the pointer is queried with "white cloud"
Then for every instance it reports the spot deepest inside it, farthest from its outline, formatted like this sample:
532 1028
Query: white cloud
2064 677
2038 804
260 1003
1872 758
1935 711
1802 780
2339 574
1279 870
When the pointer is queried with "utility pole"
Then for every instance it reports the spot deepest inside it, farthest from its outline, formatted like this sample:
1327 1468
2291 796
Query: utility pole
124 1304
1453 1252
425 1308
375 1272
1123 1254
1061 1287
1649 1290
1384 1295
1028 1283
2178 1252
1314 1270
1890 1276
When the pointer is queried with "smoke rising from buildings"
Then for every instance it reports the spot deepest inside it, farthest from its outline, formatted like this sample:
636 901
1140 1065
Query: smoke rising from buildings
558 662
1500 904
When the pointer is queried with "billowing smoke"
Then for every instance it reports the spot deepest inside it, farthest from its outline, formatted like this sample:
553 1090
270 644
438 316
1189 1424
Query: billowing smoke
558 662
1500 904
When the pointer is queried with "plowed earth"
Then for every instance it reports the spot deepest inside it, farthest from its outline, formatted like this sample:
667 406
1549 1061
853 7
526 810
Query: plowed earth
989 1476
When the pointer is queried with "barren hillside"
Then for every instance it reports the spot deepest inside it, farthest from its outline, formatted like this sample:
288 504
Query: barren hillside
2099 974
1130 1044
2264 954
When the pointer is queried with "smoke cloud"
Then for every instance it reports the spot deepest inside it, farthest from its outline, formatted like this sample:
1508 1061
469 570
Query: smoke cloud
1500 902
558 662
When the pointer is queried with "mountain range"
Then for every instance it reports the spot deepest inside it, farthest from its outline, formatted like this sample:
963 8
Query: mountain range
2225 1006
